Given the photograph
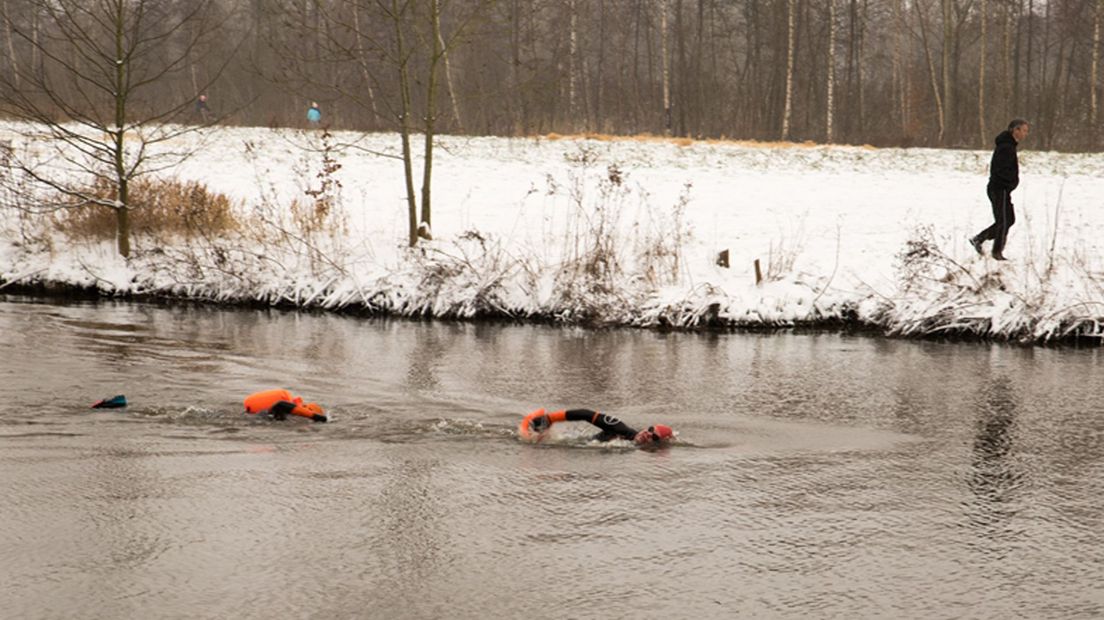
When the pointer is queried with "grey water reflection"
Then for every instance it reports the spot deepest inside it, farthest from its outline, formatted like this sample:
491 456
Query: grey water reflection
819 475
994 476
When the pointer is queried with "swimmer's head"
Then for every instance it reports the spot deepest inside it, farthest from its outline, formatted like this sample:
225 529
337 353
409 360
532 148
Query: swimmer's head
654 435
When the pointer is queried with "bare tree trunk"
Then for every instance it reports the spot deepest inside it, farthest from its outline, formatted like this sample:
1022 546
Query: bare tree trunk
699 79
682 73
515 67
788 105
859 67
981 79
600 78
1093 69
830 75
445 56
362 60
852 43
122 200
666 67
637 94
402 57
1030 44
948 46
572 67
1042 111
36 49
931 68
1006 69
425 226
899 63
11 46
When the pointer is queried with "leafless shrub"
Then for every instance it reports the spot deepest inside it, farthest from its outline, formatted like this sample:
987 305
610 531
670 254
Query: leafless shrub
1034 299
659 242
782 256
618 247
313 228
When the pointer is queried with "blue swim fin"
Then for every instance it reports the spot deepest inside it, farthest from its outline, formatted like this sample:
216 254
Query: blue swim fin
114 402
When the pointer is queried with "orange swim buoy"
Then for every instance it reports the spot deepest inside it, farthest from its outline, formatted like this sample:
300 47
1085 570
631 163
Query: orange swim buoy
262 402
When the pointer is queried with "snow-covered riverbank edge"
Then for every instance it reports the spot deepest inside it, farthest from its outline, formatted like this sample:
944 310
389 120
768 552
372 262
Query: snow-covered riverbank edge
626 232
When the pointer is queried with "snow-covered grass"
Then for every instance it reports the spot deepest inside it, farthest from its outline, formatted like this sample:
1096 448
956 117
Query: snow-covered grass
622 231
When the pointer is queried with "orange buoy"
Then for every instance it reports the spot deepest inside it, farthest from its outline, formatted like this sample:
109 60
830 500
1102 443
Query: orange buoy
263 401
281 403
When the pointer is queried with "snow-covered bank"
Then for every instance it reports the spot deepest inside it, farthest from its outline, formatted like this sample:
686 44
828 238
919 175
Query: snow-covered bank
623 232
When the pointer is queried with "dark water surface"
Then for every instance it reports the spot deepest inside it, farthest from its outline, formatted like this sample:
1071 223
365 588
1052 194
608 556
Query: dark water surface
818 475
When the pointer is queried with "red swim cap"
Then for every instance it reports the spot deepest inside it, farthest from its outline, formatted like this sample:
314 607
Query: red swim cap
662 431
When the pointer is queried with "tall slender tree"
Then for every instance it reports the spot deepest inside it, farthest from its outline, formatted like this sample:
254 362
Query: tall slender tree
1093 65
982 18
787 110
830 72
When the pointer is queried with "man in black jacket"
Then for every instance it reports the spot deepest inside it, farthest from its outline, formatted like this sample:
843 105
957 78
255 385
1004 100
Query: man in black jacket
1004 176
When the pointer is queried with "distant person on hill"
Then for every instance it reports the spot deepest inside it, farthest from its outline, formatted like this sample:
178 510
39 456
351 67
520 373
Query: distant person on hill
610 427
1004 176
314 114
203 113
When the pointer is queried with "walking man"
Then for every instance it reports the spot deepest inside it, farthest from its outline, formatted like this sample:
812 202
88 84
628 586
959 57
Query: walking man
1004 176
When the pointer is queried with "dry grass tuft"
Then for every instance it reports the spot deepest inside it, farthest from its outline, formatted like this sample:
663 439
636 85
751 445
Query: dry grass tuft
161 208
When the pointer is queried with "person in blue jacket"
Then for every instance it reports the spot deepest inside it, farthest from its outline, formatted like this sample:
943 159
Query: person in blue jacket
314 114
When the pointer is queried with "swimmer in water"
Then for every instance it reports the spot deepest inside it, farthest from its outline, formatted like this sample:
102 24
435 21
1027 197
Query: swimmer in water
610 427
279 404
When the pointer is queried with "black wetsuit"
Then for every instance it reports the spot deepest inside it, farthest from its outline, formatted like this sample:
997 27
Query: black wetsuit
281 410
612 428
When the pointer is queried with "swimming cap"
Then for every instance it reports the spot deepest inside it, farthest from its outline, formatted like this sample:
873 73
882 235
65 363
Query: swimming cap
662 431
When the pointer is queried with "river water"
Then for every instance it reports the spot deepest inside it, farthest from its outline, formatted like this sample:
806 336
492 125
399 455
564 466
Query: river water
821 475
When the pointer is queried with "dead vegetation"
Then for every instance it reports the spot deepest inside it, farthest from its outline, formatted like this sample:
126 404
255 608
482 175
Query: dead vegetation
161 209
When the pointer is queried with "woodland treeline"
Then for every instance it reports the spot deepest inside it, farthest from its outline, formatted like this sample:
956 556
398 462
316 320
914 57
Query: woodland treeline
884 72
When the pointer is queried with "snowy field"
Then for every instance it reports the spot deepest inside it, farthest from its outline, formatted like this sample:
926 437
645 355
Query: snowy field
621 231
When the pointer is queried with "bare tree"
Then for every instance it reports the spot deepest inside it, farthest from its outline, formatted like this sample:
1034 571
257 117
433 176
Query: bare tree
12 58
666 67
1094 63
931 68
947 11
97 92
981 76
899 62
438 53
787 109
830 73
